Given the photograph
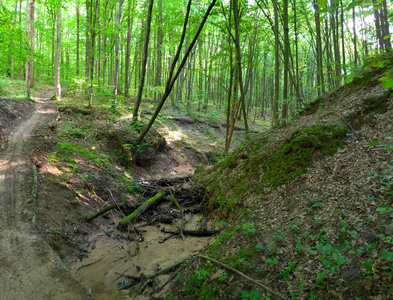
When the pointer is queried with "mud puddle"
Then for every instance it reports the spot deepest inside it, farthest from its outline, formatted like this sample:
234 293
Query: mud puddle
136 254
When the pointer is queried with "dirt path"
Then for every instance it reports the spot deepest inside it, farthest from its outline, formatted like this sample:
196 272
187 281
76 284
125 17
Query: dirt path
29 269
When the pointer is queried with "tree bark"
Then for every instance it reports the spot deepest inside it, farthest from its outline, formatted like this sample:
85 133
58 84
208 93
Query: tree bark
58 52
277 66
144 62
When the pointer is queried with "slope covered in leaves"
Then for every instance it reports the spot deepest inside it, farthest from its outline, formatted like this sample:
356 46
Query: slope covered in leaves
308 207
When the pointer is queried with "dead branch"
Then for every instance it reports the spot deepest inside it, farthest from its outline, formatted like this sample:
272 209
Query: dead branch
182 216
194 232
141 209
144 278
101 212
278 295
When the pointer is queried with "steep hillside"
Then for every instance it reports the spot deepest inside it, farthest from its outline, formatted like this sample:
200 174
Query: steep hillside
308 206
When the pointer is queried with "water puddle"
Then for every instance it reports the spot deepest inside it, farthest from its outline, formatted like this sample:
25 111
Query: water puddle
135 254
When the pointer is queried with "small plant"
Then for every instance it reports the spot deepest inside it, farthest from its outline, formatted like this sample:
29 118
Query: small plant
248 229
56 238
252 295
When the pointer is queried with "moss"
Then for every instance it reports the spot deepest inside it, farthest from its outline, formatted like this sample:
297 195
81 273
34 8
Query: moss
312 107
377 105
293 158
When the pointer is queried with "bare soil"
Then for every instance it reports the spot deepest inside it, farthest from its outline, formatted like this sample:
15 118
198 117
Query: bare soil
30 269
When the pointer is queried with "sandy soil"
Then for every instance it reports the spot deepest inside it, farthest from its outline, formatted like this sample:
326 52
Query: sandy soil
29 267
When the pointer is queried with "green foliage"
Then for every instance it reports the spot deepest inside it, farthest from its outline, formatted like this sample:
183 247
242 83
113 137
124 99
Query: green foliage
132 186
293 158
252 295
56 238
66 151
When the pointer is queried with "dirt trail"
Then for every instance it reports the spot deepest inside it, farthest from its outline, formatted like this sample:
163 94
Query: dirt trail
29 269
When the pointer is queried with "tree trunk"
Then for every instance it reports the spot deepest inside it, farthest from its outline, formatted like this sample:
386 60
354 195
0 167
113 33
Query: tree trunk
118 27
77 38
354 37
58 52
144 62
239 63
286 63
320 77
172 78
277 66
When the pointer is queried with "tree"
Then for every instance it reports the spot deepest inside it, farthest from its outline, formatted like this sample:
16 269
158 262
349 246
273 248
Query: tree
58 51
30 42
172 78
144 61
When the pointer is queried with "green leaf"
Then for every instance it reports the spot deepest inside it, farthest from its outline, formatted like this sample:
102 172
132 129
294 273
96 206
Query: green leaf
385 209
386 37
348 79
368 266
388 84
352 5
321 3
373 143
377 7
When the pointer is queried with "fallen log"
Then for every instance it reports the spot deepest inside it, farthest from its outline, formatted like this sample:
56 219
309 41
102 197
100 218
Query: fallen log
144 278
194 232
99 213
141 209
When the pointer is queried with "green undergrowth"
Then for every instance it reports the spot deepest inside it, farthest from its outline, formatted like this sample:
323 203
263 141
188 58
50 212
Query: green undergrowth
260 168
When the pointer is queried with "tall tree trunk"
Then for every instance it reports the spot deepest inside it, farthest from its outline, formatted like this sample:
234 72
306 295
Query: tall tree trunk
378 26
385 27
127 77
277 66
286 63
172 78
157 95
77 38
118 28
30 50
354 37
342 37
239 63
144 62
53 15
320 77
58 52
92 34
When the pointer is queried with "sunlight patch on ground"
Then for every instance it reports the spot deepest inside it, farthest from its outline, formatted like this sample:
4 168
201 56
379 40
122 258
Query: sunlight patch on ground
126 117
53 170
175 136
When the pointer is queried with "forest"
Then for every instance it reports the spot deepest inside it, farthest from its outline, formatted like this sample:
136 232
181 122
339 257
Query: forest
269 57
196 150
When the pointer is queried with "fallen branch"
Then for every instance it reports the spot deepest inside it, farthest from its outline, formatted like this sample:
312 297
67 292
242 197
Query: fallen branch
182 216
194 232
99 213
243 275
143 278
141 209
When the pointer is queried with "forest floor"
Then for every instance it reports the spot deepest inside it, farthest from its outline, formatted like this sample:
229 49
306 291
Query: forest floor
50 182
29 267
